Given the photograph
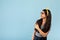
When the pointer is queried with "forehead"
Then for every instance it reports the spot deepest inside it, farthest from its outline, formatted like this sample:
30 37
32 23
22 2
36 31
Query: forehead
42 12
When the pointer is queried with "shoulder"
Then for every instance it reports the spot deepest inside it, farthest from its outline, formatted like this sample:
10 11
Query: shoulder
39 20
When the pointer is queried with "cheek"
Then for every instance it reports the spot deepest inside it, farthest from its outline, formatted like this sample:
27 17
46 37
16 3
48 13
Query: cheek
43 16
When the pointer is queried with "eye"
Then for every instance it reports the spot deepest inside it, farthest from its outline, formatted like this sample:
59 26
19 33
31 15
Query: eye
42 13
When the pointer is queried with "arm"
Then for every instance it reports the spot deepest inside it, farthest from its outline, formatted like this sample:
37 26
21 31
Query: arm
33 35
40 31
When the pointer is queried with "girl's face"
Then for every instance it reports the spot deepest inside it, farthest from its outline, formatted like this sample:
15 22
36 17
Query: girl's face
43 15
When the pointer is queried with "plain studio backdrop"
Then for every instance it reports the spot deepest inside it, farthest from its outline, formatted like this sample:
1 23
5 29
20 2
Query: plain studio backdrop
17 18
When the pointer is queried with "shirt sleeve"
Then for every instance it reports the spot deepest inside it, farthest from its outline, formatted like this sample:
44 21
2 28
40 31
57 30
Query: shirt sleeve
36 29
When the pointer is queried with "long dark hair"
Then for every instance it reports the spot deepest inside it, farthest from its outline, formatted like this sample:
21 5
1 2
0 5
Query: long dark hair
47 25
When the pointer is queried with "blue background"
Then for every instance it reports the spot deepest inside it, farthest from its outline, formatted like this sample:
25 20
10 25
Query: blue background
17 18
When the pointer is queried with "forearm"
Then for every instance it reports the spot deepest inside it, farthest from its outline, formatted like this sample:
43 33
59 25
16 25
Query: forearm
42 33
34 32
33 35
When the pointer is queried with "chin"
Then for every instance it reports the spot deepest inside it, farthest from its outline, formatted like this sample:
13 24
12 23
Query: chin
41 17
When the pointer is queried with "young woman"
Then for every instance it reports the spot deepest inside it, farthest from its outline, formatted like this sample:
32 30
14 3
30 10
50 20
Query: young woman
42 26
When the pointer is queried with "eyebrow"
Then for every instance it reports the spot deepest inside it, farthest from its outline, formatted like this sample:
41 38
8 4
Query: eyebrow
42 12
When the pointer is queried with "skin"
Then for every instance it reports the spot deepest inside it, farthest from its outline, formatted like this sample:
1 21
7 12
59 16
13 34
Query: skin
43 16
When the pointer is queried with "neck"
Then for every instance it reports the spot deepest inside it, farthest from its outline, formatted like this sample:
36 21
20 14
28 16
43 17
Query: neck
44 19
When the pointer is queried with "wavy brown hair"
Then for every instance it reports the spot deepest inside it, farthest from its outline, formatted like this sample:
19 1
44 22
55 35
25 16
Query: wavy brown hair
47 25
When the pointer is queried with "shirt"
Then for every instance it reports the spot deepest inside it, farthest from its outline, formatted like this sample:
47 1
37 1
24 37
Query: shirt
38 34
